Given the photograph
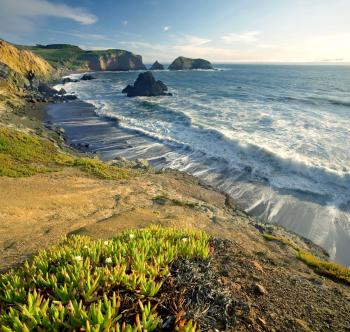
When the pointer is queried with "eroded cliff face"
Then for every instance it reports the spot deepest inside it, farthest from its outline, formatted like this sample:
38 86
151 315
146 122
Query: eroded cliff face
15 65
112 60
23 61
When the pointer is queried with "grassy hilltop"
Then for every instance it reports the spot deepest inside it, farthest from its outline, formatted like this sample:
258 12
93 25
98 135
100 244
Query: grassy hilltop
71 57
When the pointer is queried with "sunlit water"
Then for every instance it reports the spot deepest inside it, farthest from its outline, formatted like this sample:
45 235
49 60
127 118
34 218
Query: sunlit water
274 137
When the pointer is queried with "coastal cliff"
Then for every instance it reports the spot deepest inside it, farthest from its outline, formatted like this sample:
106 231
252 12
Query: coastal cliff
71 57
15 66
112 60
182 63
23 61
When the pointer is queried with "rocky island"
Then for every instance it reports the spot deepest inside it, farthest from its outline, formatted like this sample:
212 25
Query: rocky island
157 66
146 86
182 63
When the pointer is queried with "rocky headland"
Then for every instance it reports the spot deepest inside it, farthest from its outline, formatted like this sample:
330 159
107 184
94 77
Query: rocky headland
157 66
65 57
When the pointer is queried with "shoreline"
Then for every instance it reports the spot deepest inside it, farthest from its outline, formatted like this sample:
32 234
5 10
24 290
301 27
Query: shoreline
77 119
270 188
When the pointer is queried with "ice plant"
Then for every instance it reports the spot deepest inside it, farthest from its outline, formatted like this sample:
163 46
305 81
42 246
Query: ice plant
75 286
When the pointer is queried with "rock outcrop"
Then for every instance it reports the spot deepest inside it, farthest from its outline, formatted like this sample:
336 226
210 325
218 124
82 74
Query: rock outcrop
182 63
146 85
157 66
69 80
87 77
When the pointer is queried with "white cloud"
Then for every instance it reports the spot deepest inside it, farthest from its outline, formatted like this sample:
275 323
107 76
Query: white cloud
244 37
167 28
82 35
20 16
191 40
125 22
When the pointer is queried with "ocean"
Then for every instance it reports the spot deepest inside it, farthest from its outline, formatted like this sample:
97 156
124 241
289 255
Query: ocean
274 137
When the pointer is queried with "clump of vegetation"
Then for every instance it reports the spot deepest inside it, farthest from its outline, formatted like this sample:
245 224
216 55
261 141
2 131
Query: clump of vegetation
100 169
98 285
323 267
22 154
164 199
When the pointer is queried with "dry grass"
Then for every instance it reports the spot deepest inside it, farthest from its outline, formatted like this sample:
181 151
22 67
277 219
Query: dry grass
325 268
22 61
328 269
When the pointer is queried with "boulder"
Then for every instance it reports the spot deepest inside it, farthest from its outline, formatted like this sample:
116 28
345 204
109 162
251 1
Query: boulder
87 77
69 97
182 63
157 66
146 85
128 89
46 90
62 92
69 80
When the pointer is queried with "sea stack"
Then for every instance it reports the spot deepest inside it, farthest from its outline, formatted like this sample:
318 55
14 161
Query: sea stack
157 66
182 63
146 85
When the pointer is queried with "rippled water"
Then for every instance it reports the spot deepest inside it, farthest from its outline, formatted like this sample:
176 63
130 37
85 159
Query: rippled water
277 138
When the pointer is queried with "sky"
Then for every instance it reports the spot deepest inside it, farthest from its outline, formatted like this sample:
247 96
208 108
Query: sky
217 30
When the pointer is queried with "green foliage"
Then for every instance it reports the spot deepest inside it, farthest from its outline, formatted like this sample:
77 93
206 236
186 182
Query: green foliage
95 285
59 55
24 155
323 267
100 169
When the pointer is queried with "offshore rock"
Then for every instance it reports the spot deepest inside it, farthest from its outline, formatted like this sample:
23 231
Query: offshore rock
146 85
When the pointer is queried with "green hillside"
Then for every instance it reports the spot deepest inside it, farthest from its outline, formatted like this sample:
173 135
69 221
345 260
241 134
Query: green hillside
59 55
71 57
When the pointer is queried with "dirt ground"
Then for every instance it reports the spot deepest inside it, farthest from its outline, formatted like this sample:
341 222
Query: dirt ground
282 293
